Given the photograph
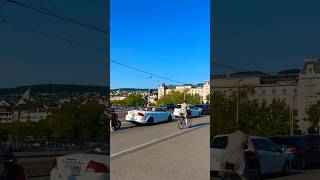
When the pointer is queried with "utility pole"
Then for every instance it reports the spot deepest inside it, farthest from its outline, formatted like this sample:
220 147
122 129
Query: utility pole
149 91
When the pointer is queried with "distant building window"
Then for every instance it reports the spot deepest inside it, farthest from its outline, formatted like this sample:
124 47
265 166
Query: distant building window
263 91
295 90
284 91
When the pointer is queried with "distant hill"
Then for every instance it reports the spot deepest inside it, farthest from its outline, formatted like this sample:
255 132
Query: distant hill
131 90
54 88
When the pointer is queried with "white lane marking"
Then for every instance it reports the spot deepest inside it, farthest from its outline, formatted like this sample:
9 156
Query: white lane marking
154 141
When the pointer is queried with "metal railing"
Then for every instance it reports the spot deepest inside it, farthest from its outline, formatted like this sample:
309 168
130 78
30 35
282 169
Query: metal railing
30 144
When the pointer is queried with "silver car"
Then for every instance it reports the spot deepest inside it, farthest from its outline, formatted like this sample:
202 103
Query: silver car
272 158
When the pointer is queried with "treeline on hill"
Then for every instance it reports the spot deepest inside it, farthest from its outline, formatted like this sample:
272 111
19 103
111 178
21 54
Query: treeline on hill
133 100
71 121
255 118
55 88
173 97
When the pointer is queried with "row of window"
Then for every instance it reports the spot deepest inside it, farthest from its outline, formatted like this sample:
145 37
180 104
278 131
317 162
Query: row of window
274 91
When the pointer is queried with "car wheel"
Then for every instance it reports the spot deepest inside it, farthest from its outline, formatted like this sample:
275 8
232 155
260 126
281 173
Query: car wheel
169 118
286 168
150 121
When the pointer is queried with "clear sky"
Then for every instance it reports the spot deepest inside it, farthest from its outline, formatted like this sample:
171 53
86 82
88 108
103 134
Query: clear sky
169 38
266 35
28 58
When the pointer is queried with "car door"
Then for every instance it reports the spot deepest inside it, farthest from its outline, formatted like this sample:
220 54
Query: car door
194 112
277 154
265 155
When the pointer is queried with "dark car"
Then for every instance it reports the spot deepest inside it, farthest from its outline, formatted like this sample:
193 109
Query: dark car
168 107
303 153
204 108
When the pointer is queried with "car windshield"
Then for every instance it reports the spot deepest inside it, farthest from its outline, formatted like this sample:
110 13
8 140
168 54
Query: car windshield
219 142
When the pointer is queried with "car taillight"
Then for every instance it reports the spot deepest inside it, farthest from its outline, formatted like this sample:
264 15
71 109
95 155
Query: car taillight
140 114
21 175
293 150
97 167
55 164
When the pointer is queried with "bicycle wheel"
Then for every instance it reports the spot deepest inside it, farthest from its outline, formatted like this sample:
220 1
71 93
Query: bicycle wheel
189 120
180 123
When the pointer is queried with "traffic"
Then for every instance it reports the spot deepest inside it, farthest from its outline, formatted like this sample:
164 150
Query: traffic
157 114
277 155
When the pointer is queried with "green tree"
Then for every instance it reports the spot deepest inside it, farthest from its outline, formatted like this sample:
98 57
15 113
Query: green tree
135 100
314 116
255 118
177 97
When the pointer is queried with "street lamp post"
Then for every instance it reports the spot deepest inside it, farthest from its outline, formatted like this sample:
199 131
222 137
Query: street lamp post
292 115
149 91
237 119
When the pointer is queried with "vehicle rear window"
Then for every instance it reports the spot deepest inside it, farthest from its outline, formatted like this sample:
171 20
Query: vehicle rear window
219 142
178 106
260 144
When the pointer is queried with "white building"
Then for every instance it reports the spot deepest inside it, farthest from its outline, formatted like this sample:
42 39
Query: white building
203 90
298 89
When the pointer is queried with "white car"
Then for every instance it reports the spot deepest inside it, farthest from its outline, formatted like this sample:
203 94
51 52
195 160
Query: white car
273 159
83 166
195 112
148 116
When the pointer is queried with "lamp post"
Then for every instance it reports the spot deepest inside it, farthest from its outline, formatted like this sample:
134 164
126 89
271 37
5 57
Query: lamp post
292 115
149 91
237 118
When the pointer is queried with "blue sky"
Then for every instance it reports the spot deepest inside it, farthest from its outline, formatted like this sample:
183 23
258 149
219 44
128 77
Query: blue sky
28 58
169 38
266 35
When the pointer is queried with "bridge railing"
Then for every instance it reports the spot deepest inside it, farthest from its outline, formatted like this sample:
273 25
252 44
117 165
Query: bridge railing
30 144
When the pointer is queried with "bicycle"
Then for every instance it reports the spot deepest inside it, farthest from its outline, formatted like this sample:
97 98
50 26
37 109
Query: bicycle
182 121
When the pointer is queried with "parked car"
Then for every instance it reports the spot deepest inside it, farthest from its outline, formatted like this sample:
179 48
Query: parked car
272 158
168 107
92 165
303 154
149 116
203 108
193 109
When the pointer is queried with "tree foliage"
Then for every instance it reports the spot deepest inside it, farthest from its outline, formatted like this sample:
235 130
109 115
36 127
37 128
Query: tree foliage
177 97
314 116
255 118
133 100
72 121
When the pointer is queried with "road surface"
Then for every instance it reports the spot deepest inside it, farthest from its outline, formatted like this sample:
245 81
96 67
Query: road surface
161 152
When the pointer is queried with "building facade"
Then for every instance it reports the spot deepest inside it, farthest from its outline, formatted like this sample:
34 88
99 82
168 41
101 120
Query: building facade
299 90
203 90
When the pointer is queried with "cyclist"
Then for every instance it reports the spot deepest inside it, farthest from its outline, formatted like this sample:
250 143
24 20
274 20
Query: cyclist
234 154
184 112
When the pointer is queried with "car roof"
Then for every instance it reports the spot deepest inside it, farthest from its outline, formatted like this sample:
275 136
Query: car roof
287 136
251 136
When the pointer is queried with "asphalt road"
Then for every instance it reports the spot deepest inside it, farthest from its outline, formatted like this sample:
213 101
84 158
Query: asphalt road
311 174
161 152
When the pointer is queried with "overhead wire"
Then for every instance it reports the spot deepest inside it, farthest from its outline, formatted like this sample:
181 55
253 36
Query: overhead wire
145 72
52 35
57 15
132 74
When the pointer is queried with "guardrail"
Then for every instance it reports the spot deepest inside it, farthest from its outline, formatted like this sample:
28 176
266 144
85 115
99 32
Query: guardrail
30 144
